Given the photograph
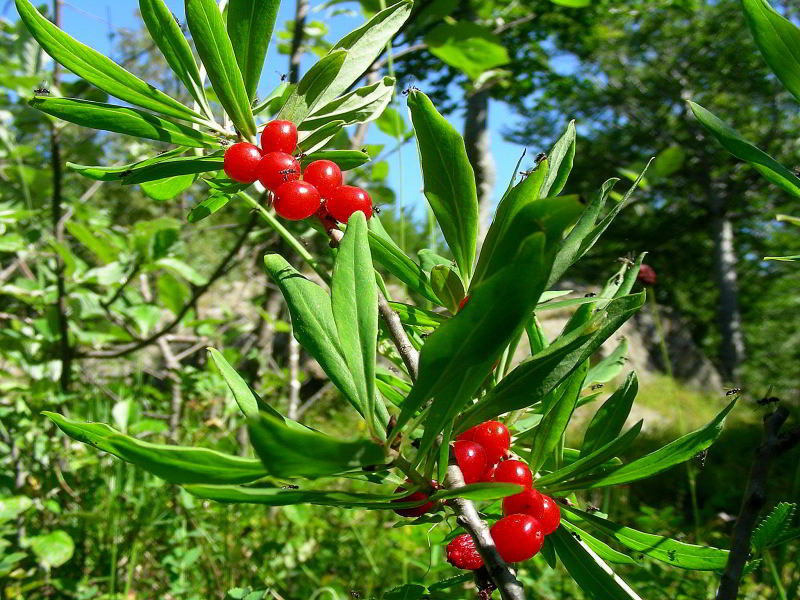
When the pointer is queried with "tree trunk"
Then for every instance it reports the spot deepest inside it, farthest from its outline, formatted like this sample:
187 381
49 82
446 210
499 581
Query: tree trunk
477 141
300 14
732 346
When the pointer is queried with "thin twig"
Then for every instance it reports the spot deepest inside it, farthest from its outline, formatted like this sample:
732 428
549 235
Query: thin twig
398 334
755 495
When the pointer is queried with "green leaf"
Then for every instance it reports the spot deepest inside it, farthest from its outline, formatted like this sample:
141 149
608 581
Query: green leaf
609 367
309 142
308 93
313 325
100 71
245 397
345 159
588 570
275 99
120 119
734 143
285 497
779 42
773 525
250 25
447 286
677 554
183 165
169 38
290 452
389 254
662 459
602 549
413 315
409 591
115 173
216 51
573 3
359 106
391 123
608 421
554 423
167 188
365 44
479 491
102 250
176 464
53 549
536 377
181 269
354 302
467 46
599 457
448 180
207 207
559 162
11 508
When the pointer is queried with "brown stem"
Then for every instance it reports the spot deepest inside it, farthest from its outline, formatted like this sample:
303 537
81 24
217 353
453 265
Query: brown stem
774 444
408 353
296 54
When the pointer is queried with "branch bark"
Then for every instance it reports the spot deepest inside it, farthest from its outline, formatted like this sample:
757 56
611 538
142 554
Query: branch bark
300 14
774 444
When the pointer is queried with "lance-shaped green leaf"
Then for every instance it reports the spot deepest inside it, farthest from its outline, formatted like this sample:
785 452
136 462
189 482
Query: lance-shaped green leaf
308 93
250 25
662 459
413 315
389 254
121 119
100 71
285 497
216 51
734 143
183 165
773 525
448 180
608 421
602 549
609 367
602 457
313 325
117 172
359 106
588 570
169 38
467 46
354 300
248 401
167 188
275 99
345 159
103 250
176 464
554 423
536 377
365 44
448 287
310 141
207 207
560 162
479 491
677 554
290 452
779 42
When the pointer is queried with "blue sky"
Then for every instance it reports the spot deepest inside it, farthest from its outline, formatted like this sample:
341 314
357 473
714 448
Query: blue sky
92 21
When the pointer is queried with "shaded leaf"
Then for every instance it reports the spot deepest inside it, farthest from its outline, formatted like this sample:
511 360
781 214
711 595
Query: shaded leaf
53 549
308 93
207 207
609 367
250 25
607 422
559 162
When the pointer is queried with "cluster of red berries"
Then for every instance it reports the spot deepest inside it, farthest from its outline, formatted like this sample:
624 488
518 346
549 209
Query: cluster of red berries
319 192
482 454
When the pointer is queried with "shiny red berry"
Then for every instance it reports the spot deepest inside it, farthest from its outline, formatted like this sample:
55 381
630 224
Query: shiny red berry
279 136
462 553
488 474
325 175
463 303
277 168
528 502
514 471
494 438
471 460
548 514
347 199
241 162
417 511
296 200
517 537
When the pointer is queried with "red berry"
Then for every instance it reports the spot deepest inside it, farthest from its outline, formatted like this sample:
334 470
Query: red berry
279 136
514 471
528 502
241 162
462 553
325 175
277 168
488 474
548 515
417 511
347 199
463 303
647 275
296 200
517 537
471 460
494 438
